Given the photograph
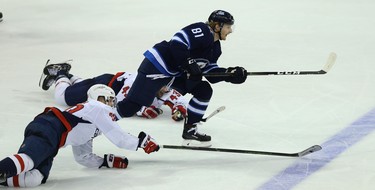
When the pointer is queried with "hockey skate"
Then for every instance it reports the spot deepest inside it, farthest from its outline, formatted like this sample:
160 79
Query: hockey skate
3 178
193 138
50 71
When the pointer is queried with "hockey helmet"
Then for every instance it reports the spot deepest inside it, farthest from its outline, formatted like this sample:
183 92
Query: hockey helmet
221 16
101 90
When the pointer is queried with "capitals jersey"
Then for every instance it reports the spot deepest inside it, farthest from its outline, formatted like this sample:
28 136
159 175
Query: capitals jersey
94 118
195 41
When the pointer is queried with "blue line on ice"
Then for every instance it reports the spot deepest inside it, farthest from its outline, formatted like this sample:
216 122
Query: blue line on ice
337 144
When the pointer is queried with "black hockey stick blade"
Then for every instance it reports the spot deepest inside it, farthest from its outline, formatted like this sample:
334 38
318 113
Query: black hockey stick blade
221 108
297 154
310 150
330 62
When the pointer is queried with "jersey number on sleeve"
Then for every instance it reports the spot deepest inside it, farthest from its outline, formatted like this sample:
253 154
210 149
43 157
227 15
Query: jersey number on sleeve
198 32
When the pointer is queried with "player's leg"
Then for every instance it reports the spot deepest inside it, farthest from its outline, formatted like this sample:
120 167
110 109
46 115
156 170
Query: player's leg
41 143
31 178
77 93
196 109
143 90
14 165
61 84
75 79
199 102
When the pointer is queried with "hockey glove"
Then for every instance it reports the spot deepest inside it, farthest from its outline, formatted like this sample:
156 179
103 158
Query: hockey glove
178 112
239 75
147 143
193 70
112 161
151 112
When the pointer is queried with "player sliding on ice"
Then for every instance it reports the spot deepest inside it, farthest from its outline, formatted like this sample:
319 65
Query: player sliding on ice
71 89
76 126
181 61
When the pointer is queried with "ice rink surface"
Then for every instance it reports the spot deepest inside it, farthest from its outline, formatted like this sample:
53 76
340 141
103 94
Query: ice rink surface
269 113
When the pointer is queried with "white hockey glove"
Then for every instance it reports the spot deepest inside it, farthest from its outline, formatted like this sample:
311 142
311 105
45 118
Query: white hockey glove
112 161
147 143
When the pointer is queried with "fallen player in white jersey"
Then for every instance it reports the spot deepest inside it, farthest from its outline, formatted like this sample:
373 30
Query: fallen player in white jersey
71 89
76 126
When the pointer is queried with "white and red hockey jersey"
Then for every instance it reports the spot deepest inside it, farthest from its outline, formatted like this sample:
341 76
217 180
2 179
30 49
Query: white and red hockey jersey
97 118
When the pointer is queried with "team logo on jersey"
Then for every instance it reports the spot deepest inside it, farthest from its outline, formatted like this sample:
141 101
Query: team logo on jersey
202 63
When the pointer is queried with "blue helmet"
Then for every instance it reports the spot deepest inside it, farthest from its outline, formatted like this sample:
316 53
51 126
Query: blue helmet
222 17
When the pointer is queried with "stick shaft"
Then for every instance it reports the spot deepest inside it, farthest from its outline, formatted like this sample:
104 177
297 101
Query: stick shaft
268 73
297 154
330 62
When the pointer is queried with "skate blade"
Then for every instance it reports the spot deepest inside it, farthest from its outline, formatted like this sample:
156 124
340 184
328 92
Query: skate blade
42 77
194 143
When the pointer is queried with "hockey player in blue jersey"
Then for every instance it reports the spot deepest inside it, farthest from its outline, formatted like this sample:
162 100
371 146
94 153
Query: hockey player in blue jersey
76 126
193 50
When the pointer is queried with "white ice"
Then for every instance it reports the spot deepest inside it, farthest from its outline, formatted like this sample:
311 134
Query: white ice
271 113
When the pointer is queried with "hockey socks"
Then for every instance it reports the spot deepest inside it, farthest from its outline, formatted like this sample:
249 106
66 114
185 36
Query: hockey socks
14 165
196 110
30 178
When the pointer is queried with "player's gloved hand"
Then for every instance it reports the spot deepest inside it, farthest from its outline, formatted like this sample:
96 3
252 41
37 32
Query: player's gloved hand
147 143
151 112
178 112
193 70
239 75
112 161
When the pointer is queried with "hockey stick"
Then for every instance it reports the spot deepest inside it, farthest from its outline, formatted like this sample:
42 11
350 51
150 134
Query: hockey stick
330 62
222 108
310 150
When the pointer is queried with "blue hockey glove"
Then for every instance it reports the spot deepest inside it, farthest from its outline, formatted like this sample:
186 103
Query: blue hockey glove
238 75
193 70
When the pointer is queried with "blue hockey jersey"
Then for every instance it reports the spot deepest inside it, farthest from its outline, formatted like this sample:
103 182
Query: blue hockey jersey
195 41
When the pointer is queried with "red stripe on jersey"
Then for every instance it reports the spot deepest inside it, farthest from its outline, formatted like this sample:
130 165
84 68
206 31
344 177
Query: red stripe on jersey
65 122
16 182
114 78
20 160
169 104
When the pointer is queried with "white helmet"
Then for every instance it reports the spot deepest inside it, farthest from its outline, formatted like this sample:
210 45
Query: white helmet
101 90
